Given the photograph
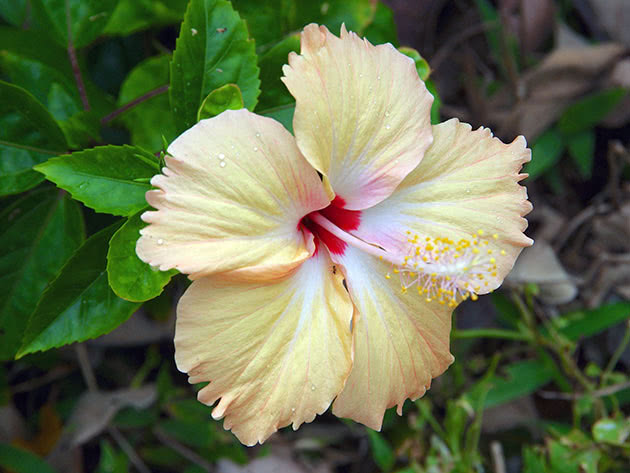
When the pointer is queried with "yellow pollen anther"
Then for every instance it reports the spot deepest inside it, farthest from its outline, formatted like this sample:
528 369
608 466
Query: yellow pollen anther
480 232
503 253
495 236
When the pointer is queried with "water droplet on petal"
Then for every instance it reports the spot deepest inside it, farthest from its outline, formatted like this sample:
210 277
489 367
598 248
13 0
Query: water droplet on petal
257 135
378 77
313 387
160 241
222 164
387 127
293 409
360 75
387 114
221 156
255 148
467 191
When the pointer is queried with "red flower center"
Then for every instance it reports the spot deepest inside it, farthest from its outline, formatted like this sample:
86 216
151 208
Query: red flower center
346 220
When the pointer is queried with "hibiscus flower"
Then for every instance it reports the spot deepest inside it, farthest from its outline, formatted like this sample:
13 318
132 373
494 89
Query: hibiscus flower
325 267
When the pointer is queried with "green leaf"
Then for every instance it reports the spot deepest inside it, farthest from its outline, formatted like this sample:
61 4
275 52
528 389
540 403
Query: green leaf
213 49
28 136
219 100
270 21
382 452
134 15
13 11
283 114
151 119
38 233
546 152
581 148
437 102
382 28
586 323
129 277
612 431
112 461
422 66
534 461
87 19
104 178
22 461
589 111
523 378
78 304
39 69
273 91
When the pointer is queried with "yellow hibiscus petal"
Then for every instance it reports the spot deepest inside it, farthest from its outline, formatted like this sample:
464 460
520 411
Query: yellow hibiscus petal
467 184
401 342
230 199
361 114
275 353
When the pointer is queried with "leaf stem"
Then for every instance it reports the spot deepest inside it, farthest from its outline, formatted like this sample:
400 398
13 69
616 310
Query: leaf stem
30 148
72 55
491 333
137 101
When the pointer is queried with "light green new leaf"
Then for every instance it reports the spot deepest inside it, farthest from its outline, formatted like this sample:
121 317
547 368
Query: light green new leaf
109 179
422 66
78 304
151 119
213 49
129 277
612 431
87 19
589 111
224 98
38 234
28 136
546 152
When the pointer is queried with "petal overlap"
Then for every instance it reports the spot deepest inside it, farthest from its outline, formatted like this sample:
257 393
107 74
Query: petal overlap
362 115
467 182
275 353
401 342
230 199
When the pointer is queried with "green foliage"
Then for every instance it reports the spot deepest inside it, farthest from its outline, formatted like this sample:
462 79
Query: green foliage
224 98
22 461
589 111
109 179
78 21
38 233
546 152
93 92
213 49
78 304
130 278
381 451
151 120
28 136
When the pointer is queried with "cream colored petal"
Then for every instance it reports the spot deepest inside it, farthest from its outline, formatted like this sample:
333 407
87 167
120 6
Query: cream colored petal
467 181
401 342
275 353
230 199
362 114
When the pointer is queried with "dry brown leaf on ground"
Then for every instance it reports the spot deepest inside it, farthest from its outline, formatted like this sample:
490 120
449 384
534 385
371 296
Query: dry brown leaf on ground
539 264
614 17
531 20
547 89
